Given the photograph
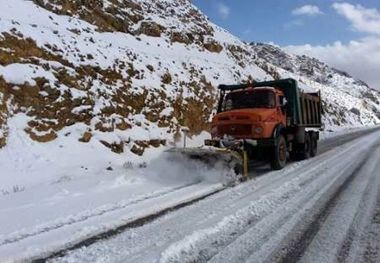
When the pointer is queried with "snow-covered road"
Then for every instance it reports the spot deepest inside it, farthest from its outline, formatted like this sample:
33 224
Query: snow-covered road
325 209
59 215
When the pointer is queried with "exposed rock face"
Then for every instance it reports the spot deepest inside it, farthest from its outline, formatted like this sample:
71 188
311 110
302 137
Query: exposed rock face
150 29
181 38
355 111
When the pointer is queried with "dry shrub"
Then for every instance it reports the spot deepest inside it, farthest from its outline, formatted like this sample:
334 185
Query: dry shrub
138 150
152 29
86 137
166 78
213 46
115 147
47 137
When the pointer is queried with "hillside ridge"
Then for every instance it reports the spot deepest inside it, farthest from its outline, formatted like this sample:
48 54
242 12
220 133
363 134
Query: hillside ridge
129 74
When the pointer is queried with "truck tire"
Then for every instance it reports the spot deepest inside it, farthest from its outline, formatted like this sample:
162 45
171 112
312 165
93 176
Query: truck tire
305 148
278 159
314 145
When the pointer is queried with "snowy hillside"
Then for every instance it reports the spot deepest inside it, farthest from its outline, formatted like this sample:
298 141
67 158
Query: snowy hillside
141 84
114 81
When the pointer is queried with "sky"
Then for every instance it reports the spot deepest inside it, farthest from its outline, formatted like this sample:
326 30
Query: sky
344 34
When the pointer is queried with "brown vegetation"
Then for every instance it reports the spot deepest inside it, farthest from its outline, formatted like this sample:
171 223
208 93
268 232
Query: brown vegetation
213 46
86 137
107 19
181 38
115 147
152 29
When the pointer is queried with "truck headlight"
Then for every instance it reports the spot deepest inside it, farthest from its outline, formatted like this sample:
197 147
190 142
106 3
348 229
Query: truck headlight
258 130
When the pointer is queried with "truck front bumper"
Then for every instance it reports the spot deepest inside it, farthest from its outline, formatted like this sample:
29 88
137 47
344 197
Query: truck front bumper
220 143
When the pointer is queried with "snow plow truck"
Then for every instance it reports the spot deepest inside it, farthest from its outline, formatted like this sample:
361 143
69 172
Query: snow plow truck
272 121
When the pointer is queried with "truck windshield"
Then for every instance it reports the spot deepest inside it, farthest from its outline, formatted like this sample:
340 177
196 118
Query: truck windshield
249 99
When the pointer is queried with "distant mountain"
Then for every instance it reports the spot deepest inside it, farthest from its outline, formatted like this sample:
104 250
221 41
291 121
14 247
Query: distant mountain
129 74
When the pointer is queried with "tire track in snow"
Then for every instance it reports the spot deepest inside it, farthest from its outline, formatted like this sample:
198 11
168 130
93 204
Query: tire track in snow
371 252
276 236
133 224
62 222
352 245
294 247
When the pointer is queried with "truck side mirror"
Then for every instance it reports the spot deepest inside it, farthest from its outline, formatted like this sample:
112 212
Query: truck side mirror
283 102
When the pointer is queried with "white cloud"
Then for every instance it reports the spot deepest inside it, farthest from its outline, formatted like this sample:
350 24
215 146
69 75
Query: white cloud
362 19
360 58
223 11
308 10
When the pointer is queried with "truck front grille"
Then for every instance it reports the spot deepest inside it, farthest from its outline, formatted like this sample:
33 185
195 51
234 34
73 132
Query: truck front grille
235 129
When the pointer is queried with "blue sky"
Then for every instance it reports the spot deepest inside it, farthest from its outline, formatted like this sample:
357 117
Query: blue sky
342 33
273 20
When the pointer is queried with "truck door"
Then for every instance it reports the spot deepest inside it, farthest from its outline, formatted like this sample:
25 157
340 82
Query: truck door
281 109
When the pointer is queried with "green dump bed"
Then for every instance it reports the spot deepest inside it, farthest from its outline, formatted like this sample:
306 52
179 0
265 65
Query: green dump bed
310 110
303 109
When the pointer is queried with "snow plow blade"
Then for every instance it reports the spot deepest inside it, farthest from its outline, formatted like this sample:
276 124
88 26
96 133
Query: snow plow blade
212 156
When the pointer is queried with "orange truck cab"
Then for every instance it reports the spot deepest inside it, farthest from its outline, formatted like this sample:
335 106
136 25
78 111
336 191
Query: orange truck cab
268 119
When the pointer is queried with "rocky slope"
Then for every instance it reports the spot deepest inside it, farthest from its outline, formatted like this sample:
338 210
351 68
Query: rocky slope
129 74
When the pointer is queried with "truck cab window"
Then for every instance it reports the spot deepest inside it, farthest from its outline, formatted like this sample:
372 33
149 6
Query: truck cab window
249 99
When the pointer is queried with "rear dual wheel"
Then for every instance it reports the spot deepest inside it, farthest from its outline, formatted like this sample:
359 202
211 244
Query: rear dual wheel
303 151
314 144
305 148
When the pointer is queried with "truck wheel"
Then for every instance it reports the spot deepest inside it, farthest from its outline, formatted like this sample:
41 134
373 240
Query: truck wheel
278 160
314 145
305 148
